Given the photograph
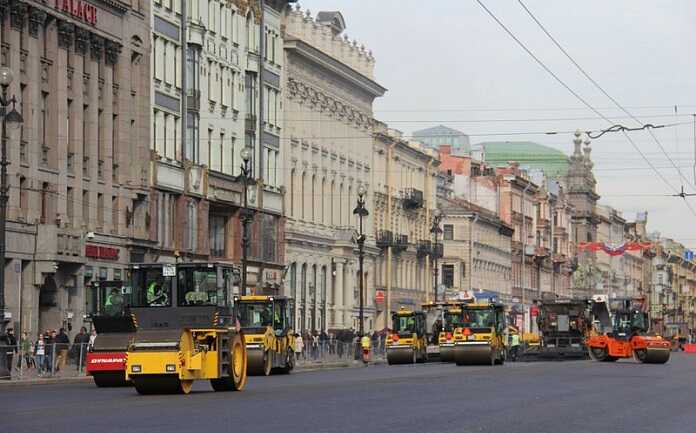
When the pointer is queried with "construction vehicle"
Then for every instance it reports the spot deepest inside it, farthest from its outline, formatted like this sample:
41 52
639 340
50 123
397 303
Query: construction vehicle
620 331
269 339
442 318
407 343
563 327
185 328
107 310
480 337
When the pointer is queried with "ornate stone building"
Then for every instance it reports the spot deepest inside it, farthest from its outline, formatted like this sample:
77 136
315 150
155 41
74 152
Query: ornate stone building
327 155
232 100
78 170
404 197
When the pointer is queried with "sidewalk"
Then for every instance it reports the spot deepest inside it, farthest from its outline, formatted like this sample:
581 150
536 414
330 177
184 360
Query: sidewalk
65 377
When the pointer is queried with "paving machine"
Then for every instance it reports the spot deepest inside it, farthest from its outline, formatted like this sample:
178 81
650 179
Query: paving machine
480 337
185 328
106 359
406 344
620 331
266 322
563 326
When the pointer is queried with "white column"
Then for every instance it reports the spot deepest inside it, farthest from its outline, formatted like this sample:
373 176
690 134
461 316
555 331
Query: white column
338 293
348 287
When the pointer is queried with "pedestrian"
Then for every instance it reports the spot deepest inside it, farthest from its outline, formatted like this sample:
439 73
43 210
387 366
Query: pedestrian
299 346
62 346
315 345
92 337
26 352
80 343
40 354
50 340
514 345
11 342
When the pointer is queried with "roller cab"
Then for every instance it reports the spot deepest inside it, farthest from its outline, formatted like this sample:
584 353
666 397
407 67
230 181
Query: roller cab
406 344
266 322
480 337
185 329
107 303
451 320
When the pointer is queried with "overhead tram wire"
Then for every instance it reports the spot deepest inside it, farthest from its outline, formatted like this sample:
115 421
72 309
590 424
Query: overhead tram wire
601 89
580 98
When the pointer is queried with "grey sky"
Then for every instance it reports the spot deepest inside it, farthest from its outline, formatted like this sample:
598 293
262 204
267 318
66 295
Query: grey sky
447 61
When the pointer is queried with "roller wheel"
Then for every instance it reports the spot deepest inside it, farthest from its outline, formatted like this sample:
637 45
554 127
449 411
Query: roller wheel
260 363
599 354
161 384
108 379
647 356
236 369
289 363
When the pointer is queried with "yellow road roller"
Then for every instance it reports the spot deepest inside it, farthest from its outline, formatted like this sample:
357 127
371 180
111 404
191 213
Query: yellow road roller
407 342
480 338
185 329
266 322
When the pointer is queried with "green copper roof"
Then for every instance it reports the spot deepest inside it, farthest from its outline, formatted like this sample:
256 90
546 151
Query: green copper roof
529 154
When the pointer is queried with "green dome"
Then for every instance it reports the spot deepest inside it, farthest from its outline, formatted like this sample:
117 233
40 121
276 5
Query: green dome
532 155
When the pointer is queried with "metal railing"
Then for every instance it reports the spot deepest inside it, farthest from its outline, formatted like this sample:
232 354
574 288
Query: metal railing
27 361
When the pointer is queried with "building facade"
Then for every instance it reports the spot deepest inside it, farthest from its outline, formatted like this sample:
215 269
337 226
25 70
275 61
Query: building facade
404 197
327 157
477 256
217 96
78 169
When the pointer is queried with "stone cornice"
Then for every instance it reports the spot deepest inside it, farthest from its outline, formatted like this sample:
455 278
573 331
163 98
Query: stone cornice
327 62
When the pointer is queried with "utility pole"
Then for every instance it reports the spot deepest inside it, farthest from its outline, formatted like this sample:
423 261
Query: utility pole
435 230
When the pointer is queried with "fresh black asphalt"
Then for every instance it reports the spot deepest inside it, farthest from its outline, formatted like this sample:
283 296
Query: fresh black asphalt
567 397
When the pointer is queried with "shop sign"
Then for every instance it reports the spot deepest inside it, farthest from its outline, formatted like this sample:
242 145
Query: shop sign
104 253
379 296
79 9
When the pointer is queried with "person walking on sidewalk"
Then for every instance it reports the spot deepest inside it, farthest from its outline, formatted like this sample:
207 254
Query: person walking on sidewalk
26 352
11 349
80 344
50 340
40 354
299 346
62 346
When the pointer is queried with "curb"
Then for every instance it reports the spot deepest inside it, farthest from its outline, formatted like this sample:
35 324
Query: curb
80 379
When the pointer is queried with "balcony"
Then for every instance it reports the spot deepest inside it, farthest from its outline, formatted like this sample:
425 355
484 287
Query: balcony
193 100
400 243
424 248
385 239
250 122
413 199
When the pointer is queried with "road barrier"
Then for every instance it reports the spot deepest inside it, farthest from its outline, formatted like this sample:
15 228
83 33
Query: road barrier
27 361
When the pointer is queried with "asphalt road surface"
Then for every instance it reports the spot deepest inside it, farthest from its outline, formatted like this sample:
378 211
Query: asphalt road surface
568 397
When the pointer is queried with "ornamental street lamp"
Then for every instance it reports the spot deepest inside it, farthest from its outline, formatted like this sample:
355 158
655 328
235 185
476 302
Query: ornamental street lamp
361 212
246 214
435 230
13 118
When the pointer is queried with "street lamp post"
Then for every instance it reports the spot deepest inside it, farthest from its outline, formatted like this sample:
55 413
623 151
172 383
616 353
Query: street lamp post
246 214
361 211
13 117
435 230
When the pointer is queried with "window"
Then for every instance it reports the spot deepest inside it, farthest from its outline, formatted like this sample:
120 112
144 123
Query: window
100 211
70 203
217 235
23 199
192 137
43 123
114 214
86 219
211 151
303 283
114 146
448 275
250 85
269 229
193 79
448 232
293 280
190 239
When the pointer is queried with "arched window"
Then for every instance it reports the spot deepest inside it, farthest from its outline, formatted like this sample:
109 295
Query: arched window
331 201
250 32
340 205
323 201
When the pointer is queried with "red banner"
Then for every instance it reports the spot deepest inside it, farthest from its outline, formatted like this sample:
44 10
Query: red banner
106 361
618 250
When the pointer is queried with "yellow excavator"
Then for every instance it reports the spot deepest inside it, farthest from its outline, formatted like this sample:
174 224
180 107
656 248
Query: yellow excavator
480 337
407 343
266 322
185 329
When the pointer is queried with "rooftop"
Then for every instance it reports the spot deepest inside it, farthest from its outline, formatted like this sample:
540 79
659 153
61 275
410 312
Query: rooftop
531 155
